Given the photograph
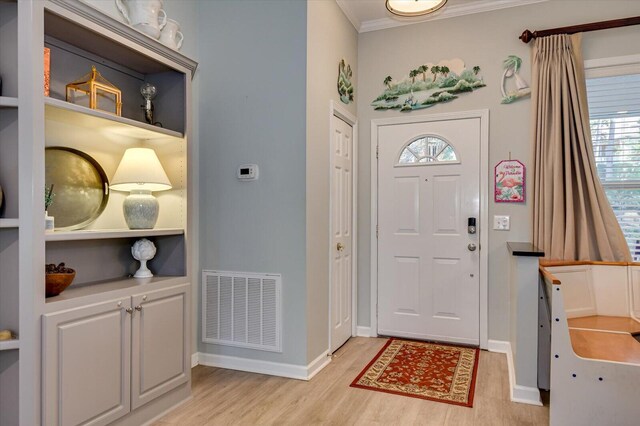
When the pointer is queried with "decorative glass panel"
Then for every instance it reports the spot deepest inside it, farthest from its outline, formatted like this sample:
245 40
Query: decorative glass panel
428 149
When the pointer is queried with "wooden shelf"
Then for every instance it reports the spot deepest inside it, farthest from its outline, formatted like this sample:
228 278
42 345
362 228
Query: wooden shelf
7 345
103 234
78 115
83 294
8 102
9 223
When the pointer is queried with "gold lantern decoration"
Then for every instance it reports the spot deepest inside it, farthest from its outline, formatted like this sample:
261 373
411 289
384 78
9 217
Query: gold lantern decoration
93 87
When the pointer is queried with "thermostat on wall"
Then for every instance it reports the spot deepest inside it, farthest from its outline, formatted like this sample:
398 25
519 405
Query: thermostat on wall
248 172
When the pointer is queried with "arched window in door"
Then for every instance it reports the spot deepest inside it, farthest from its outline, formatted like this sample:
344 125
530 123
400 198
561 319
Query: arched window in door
428 150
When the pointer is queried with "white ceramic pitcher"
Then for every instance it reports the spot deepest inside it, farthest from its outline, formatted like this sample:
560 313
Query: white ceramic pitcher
144 15
171 35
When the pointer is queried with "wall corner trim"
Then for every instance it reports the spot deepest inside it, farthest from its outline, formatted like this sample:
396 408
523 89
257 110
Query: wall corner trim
270 368
518 393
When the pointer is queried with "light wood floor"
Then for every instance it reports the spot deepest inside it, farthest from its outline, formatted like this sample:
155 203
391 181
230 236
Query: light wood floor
222 397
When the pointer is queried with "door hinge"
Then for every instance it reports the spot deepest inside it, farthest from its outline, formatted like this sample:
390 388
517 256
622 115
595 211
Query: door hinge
377 151
377 230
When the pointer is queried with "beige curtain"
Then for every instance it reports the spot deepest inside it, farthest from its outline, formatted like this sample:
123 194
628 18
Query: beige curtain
572 218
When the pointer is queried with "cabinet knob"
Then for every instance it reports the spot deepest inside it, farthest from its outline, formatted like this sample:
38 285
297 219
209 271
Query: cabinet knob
128 310
138 308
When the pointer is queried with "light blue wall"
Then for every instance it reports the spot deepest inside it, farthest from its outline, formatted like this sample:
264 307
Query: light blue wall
252 109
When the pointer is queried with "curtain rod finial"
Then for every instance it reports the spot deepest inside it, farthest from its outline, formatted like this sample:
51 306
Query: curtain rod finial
527 36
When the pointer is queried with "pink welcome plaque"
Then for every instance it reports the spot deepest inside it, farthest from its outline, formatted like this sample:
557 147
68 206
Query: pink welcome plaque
509 182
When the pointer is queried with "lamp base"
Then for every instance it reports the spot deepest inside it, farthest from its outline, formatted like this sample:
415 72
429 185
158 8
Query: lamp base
140 210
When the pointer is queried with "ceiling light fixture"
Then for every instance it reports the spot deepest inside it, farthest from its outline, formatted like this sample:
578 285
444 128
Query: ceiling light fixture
413 7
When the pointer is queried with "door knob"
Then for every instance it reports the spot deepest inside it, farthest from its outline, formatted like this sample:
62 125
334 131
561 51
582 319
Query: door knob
138 308
471 247
340 247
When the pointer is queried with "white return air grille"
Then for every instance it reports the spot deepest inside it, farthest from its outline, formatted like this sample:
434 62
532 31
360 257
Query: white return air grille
242 309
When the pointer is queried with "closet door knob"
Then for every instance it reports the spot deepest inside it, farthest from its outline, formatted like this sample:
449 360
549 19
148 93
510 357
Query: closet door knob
129 310
138 308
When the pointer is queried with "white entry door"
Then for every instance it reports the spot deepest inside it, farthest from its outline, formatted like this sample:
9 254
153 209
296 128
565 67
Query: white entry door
428 190
341 231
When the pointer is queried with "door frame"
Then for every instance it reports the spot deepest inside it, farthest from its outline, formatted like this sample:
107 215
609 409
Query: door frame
483 115
337 110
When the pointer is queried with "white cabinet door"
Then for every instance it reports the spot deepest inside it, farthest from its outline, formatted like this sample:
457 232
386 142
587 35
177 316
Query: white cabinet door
87 364
160 337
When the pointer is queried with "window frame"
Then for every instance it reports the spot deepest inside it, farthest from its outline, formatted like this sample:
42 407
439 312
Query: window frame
612 67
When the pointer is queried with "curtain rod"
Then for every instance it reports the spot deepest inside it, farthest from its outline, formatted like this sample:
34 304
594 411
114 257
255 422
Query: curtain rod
527 35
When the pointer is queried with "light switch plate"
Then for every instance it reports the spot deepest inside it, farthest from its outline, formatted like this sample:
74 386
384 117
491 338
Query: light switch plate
501 223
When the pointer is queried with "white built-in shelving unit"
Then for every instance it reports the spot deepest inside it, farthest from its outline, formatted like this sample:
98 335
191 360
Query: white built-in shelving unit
78 37
8 102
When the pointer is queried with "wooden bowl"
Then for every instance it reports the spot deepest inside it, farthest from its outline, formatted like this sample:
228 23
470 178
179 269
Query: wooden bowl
56 283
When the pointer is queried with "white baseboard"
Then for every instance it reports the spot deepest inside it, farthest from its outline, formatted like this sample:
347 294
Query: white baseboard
518 393
194 359
318 364
499 346
291 371
364 332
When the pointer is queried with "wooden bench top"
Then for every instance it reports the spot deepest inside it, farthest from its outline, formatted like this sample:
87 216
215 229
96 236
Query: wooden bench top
605 345
602 323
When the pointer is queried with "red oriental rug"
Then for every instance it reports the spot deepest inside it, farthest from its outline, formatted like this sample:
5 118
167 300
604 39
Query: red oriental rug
433 371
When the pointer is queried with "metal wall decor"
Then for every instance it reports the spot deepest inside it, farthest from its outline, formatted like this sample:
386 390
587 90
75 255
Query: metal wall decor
512 67
428 85
345 87
97 91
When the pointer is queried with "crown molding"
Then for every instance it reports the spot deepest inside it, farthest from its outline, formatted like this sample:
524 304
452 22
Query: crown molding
350 14
450 11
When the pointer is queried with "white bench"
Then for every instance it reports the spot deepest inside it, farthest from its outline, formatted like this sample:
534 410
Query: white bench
595 360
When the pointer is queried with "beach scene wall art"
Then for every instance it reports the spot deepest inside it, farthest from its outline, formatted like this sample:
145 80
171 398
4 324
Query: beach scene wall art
428 85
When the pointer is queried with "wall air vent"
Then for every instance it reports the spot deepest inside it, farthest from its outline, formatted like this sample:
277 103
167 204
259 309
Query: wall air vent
242 309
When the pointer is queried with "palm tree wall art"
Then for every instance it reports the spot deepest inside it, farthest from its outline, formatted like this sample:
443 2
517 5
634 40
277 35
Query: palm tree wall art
447 79
345 87
512 67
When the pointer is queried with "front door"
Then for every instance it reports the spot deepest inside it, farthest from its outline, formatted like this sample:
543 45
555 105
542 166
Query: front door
341 231
428 192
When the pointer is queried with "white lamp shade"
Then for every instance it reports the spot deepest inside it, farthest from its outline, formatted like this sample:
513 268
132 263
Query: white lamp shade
413 7
140 169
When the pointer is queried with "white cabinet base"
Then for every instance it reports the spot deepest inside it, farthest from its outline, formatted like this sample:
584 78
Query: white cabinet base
125 359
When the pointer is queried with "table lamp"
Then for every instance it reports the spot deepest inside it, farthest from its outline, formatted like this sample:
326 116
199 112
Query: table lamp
140 173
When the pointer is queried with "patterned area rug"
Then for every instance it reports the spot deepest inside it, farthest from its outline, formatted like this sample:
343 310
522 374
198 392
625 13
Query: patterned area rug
432 371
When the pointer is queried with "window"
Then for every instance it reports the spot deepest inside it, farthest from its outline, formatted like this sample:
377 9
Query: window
614 113
428 149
